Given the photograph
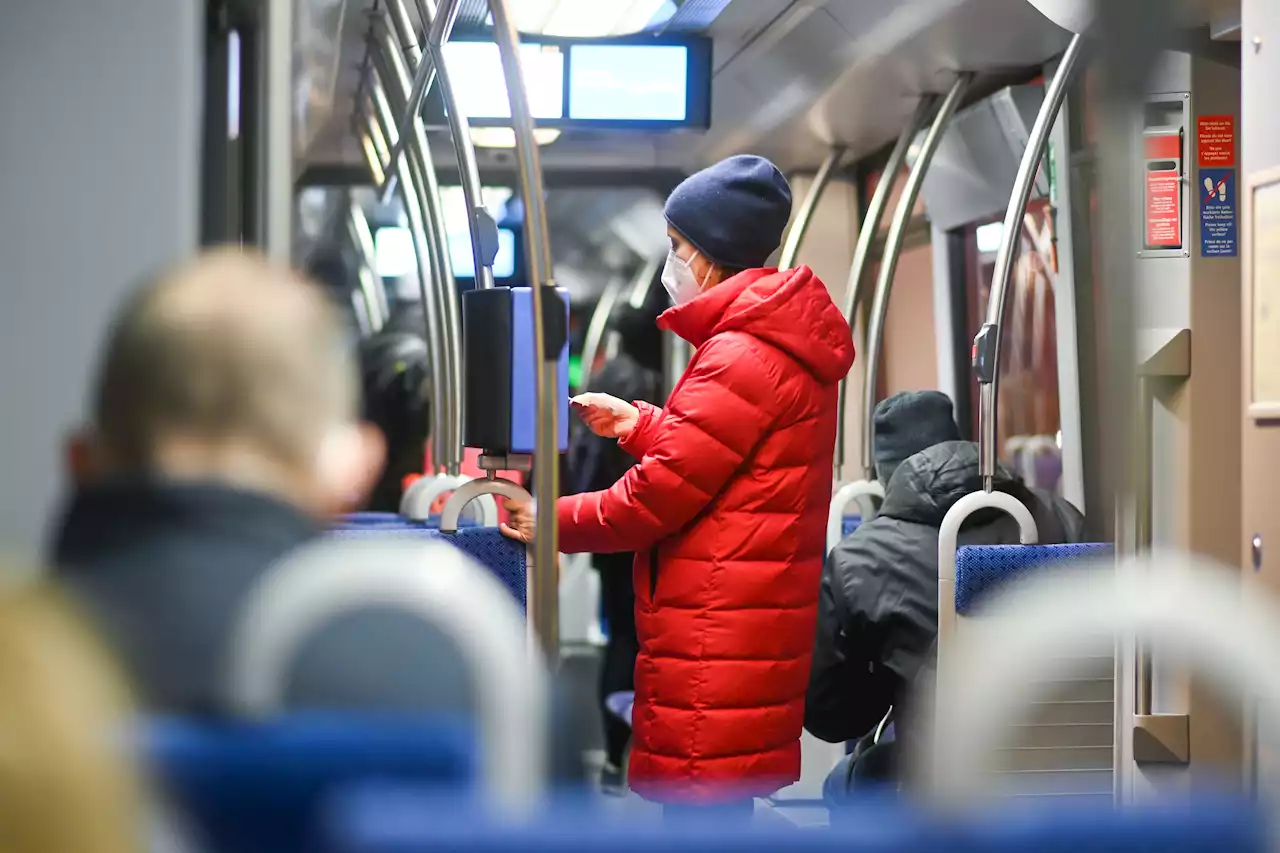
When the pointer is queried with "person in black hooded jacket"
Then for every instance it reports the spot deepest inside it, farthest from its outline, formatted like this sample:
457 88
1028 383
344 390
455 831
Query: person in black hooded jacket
878 604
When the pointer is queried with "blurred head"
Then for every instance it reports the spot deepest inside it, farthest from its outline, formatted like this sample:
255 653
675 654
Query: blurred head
65 782
396 373
907 423
233 370
727 218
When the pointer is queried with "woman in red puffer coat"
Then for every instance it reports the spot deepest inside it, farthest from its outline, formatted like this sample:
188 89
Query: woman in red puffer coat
727 509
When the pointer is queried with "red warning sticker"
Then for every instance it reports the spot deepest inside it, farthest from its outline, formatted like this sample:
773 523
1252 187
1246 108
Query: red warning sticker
1164 210
1216 141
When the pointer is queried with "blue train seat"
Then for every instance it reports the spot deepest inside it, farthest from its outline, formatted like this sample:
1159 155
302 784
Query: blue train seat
394 521
403 825
983 569
504 556
248 787
849 524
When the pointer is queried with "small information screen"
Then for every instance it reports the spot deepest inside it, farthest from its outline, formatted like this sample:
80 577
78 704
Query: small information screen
475 71
625 82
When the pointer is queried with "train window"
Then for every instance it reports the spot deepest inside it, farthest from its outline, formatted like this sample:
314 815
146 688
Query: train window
1029 419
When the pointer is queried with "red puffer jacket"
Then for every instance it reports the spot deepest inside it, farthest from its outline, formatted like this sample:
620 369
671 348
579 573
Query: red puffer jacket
727 514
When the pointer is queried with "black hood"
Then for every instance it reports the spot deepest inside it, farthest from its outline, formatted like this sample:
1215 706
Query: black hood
927 485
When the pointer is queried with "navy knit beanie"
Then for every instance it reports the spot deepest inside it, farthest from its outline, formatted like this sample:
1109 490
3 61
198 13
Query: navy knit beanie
734 212
908 423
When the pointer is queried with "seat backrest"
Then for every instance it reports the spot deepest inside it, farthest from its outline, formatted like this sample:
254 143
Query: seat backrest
266 786
1066 746
504 557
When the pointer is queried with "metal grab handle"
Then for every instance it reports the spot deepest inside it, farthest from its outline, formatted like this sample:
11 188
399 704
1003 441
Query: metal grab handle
889 263
443 587
949 532
545 600
1037 142
791 248
469 491
418 498
867 231
862 491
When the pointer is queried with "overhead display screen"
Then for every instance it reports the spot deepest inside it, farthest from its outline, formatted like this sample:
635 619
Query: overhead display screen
475 70
638 82
629 82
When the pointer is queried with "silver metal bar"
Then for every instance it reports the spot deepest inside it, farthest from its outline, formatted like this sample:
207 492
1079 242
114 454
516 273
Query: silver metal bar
382 115
277 114
867 231
445 16
597 327
375 295
1143 522
889 263
545 606
447 338
1003 272
791 248
402 28
468 170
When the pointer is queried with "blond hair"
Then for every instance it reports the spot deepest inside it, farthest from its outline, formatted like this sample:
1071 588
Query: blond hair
226 348
66 779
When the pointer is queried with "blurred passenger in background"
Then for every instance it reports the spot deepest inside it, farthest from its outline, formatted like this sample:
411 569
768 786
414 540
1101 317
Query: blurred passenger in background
878 608
396 373
224 429
65 783
596 463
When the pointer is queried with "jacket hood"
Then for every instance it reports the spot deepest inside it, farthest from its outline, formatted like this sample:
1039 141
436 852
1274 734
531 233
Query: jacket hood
788 309
927 485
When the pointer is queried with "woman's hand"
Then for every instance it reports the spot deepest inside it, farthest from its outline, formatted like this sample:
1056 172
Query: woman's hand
606 416
520 523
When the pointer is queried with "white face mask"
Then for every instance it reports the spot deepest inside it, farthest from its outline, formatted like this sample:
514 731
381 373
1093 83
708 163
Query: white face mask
678 278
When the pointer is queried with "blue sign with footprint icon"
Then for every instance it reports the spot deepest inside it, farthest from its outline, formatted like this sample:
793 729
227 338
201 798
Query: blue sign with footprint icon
1218 194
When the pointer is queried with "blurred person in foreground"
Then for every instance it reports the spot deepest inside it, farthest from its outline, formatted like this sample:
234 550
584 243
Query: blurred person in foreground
596 463
727 508
65 782
878 605
223 433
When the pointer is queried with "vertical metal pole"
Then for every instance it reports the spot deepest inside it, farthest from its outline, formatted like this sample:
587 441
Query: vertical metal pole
446 336
989 375
867 232
402 26
889 263
375 295
382 115
791 248
277 115
1143 519
546 603
445 17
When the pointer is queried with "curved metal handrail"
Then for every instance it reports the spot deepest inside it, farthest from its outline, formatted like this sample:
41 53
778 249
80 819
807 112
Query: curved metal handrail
448 334
443 587
986 364
423 257
791 248
418 498
1030 634
867 231
866 493
545 603
949 534
889 263
470 491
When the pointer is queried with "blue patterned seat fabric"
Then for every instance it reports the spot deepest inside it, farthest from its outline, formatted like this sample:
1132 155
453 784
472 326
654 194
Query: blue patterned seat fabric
503 556
983 569
849 524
